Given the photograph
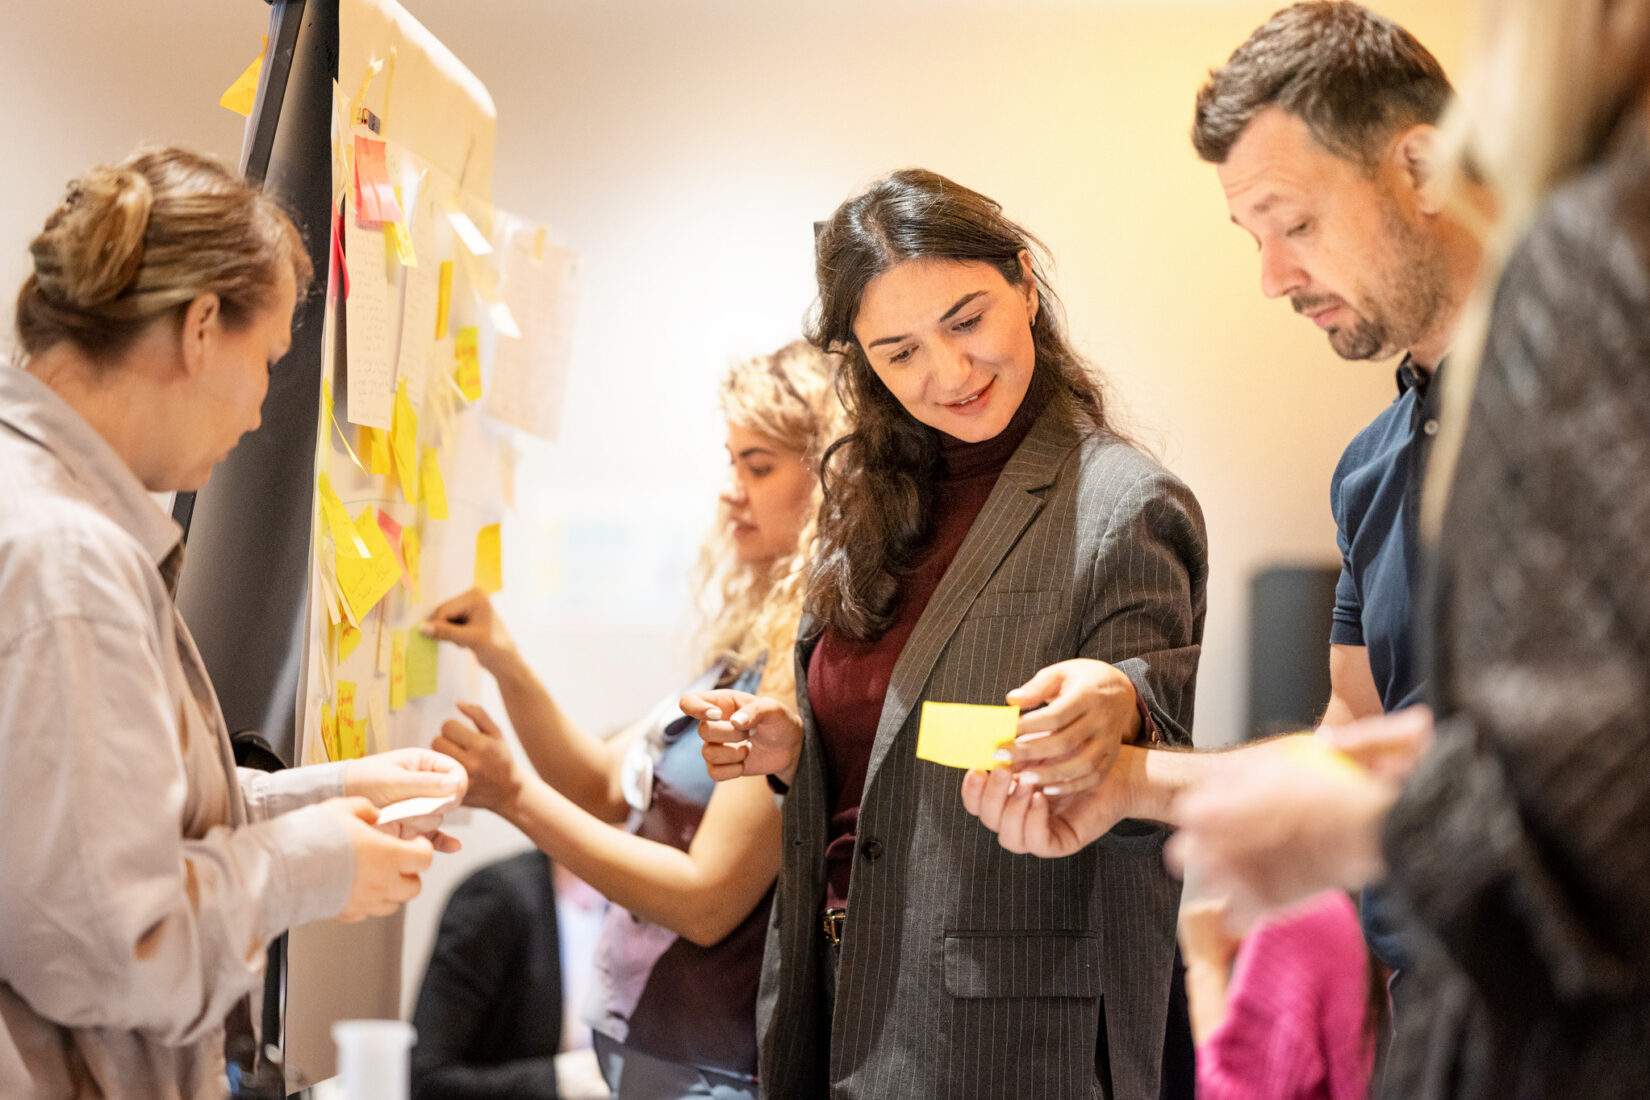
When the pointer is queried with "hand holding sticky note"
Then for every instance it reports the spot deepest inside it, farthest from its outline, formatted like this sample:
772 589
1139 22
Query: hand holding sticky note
962 735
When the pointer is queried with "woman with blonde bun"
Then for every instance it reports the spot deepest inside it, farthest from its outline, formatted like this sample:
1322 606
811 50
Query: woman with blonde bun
688 863
142 876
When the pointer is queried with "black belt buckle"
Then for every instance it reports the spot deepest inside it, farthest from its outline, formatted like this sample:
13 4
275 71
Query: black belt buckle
832 925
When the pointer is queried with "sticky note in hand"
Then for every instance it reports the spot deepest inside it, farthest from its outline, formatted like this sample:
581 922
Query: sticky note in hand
961 735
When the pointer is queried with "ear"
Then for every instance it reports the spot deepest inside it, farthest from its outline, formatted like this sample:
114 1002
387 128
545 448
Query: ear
202 323
1029 282
1415 154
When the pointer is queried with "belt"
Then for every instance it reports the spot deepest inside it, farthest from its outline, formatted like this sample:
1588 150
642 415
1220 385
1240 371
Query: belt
832 925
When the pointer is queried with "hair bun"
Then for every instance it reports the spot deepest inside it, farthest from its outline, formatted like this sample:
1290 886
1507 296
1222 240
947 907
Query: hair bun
92 245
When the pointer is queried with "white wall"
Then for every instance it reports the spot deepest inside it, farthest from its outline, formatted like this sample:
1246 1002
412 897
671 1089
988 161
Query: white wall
686 150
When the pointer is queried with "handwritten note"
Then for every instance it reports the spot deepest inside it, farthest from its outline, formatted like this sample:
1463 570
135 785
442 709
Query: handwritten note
371 389
404 444
241 95
365 581
489 560
351 741
530 374
421 665
398 670
418 317
960 735
329 733
349 637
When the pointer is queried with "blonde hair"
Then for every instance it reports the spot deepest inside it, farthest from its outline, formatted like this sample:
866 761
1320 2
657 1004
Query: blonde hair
1548 86
790 397
136 241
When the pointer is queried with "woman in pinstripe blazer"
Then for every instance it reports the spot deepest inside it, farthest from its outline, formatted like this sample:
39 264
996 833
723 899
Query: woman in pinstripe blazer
982 528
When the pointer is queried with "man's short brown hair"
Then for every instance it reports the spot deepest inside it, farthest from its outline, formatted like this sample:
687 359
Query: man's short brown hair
1355 78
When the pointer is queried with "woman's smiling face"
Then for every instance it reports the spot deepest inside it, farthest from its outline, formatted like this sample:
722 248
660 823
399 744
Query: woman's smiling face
951 339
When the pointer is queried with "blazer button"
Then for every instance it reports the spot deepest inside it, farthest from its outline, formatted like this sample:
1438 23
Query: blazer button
871 849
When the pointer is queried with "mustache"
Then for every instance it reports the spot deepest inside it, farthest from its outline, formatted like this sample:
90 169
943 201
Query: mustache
1312 303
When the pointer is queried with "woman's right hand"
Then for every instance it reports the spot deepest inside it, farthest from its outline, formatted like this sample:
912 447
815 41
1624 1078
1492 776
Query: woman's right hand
745 734
386 867
469 620
495 777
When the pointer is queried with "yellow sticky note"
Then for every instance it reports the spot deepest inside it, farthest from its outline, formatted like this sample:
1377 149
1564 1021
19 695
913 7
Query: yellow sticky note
398 670
375 444
1307 750
435 489
329 733
348 639
489 561
467 371
404 443
351 744
421 665
411 549
401 235
241 95
366 580
444 299
337 519
961 735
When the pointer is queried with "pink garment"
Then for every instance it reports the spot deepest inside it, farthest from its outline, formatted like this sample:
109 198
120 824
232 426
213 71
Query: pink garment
1294 1027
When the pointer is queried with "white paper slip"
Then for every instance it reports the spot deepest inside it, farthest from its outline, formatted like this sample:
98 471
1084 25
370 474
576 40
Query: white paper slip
415 807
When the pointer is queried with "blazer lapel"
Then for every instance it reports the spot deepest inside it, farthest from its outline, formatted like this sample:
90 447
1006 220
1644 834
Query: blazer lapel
1014 502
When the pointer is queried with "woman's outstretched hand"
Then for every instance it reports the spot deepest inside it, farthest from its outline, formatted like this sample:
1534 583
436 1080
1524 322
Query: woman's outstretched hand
745 734
1085 711
469 620
1030 822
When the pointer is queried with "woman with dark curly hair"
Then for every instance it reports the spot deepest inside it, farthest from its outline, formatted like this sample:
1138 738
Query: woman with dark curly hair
984 530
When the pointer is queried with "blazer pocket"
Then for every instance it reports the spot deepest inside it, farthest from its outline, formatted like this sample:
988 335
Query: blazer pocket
992 605
1022 964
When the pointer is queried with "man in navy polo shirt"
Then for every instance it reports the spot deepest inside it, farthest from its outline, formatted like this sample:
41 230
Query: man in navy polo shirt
1322 130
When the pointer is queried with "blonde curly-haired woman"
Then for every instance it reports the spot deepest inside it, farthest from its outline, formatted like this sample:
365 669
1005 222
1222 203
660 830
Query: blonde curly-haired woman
688 863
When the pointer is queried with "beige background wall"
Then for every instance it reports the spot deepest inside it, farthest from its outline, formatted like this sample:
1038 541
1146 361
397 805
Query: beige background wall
685 149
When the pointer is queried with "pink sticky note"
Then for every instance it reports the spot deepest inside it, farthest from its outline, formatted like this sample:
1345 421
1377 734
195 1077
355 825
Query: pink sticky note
375 195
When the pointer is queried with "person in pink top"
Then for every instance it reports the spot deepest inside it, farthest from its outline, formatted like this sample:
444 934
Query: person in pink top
1296 1016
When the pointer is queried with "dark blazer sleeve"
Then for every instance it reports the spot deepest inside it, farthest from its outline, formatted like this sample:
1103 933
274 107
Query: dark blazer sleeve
1147 597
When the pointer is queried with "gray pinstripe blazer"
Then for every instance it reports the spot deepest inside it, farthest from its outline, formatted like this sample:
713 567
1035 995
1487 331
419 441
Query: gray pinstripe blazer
967 971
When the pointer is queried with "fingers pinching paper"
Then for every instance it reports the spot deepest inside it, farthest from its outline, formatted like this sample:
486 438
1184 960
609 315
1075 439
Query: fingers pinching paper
962 735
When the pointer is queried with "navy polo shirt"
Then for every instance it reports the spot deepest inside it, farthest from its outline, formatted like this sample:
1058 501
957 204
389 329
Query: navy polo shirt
1376 495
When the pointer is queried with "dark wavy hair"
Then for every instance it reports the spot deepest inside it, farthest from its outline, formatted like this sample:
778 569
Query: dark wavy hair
880 480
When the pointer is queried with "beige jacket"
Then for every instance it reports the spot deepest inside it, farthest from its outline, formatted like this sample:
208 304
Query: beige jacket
141 875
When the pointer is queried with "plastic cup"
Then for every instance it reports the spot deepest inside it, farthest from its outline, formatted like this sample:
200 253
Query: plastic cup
374 1058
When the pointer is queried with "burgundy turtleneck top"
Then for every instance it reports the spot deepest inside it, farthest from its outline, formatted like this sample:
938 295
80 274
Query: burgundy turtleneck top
847 679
